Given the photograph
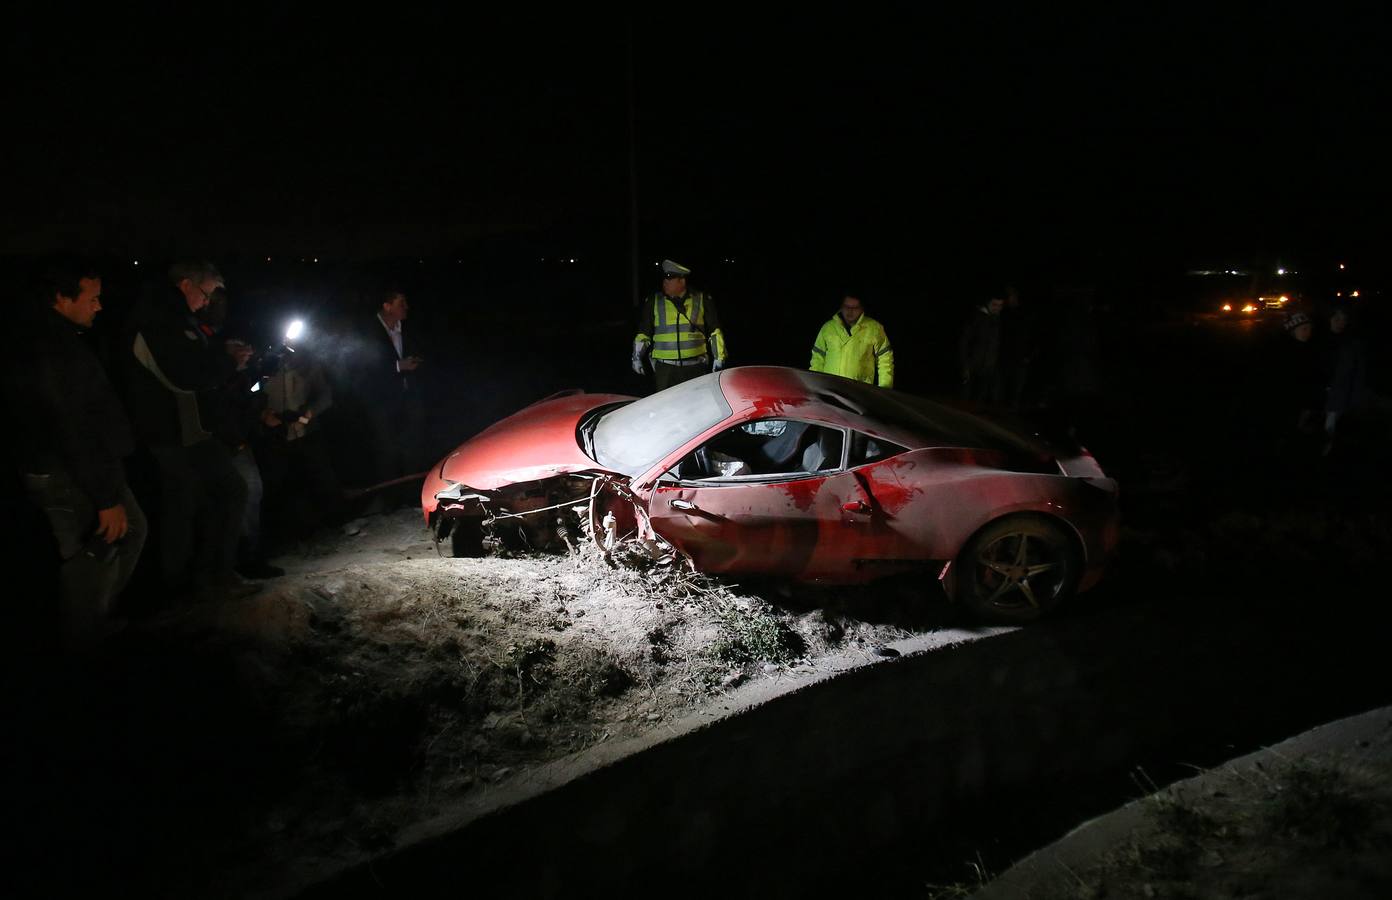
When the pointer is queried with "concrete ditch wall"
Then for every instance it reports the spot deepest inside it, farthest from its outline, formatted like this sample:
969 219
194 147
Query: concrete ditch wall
809 780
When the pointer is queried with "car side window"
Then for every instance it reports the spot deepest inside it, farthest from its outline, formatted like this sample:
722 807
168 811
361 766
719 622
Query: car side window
866 449
767 448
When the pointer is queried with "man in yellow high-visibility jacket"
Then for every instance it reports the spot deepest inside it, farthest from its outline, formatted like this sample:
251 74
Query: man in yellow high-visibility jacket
678 331
855 346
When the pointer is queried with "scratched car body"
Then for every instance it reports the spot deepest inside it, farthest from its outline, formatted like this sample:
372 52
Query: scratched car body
781 472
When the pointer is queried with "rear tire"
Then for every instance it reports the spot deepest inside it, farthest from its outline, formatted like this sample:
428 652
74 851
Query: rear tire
1015 570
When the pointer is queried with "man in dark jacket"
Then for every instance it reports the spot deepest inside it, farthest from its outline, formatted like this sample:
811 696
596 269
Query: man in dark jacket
1346 362
232 414
388 380
203 497
978 351
1018 348
1301 381
72 437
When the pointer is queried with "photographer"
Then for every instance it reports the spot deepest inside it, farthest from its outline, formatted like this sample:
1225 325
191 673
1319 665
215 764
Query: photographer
295 392
232 412
172 369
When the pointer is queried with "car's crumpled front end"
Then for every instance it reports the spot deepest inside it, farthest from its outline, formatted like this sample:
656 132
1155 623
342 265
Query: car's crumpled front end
519 481
551 514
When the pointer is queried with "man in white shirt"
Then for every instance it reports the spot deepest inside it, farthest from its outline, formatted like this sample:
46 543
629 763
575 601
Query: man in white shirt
389 387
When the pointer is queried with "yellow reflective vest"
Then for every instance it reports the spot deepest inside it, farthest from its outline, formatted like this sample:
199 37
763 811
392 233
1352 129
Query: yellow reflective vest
681 335
863 353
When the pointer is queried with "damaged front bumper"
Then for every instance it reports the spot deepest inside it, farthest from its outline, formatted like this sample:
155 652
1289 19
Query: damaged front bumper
552 514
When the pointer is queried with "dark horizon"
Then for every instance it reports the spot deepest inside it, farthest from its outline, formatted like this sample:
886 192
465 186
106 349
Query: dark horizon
278 133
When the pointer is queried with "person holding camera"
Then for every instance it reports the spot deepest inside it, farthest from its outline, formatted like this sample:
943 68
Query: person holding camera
175 371
72 438
302 488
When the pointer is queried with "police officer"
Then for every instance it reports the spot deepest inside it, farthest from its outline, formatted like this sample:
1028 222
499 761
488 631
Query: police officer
678 331
854 345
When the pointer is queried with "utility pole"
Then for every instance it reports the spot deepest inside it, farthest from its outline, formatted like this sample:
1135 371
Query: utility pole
632 173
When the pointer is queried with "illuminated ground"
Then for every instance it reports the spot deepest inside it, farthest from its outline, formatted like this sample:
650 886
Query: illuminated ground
376 685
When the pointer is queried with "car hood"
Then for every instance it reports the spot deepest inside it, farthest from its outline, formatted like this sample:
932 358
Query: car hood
537 442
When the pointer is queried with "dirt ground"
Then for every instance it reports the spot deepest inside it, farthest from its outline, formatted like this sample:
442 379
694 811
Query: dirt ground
376 684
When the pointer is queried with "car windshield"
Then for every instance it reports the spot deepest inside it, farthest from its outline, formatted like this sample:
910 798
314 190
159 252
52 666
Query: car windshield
632 438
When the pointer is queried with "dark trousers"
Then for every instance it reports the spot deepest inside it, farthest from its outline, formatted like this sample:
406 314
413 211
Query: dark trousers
203 500
92 572
982 388
398 436
302 488
664 376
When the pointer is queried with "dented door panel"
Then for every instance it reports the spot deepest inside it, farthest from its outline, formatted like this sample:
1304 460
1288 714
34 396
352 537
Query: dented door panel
820 527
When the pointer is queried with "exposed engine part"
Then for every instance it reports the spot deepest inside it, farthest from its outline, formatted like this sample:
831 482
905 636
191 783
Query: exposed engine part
611 534
547 515
551 515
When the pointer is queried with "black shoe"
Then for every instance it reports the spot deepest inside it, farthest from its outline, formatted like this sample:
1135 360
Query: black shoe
259 568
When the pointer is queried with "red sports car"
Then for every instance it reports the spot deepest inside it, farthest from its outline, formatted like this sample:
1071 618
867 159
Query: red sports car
783 472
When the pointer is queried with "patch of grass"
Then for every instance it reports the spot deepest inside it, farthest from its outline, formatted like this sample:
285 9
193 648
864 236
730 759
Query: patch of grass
1321 808
531 661
1261 825
754 635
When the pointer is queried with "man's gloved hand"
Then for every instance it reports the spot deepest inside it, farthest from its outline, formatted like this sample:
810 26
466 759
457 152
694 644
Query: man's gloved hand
717 365
640 351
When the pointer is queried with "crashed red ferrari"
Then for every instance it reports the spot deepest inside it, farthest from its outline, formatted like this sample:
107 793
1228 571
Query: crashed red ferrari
794 474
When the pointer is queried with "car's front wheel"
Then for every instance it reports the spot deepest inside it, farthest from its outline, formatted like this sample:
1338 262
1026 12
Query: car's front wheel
1015 570
457 537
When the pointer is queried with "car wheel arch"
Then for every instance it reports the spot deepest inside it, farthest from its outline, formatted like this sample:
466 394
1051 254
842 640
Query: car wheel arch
1031 512
951 574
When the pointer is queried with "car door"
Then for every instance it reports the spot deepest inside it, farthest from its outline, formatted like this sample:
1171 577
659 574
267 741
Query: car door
794 523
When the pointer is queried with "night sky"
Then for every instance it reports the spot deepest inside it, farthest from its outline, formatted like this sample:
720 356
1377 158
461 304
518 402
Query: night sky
279 130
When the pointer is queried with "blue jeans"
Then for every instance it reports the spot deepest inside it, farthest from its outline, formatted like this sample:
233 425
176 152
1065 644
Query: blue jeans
92 572
245 464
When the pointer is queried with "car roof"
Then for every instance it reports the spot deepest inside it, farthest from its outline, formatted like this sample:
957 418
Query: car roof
771 391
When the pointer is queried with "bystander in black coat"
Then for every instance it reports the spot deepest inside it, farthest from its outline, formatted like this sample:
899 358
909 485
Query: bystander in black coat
203 496
71 438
